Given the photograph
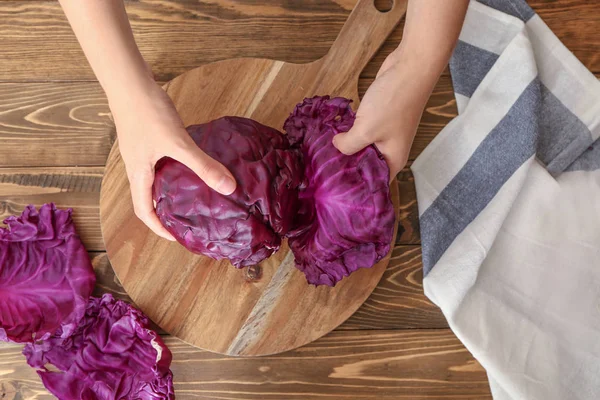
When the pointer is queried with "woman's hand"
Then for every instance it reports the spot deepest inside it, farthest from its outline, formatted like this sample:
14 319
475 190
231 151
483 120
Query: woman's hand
149 128
148 125
389 114
391 109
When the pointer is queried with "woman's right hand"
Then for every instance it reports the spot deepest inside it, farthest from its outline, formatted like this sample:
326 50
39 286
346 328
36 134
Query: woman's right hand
149 128
148 125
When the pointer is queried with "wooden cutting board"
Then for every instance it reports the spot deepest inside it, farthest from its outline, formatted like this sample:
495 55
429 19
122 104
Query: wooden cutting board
268 308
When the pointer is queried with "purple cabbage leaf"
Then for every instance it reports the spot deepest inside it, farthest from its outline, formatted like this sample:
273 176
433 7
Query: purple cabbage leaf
46 276
346 217
112 354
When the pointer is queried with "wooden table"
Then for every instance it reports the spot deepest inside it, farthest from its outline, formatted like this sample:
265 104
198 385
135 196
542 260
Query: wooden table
56 132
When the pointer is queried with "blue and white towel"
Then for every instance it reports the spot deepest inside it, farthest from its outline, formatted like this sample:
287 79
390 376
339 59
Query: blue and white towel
509 204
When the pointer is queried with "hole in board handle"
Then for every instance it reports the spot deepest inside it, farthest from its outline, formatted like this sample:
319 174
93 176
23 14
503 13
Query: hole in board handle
383 5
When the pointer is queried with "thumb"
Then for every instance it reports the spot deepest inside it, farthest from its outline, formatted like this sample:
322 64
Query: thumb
352 141
212 172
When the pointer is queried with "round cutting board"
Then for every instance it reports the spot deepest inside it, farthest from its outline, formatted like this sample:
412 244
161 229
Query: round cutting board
268 308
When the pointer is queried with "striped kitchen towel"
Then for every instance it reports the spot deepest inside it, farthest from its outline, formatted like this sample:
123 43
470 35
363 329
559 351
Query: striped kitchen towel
509 207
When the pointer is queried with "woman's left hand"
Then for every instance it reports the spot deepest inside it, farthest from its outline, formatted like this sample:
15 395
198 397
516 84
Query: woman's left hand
389 113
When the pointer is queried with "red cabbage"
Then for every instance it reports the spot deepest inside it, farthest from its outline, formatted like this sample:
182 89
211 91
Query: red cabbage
245 227
46 276
335 209
112 354
346 216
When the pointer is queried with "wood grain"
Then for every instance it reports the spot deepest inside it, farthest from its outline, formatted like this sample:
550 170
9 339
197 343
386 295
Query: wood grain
73 119
398 301
415 365
58 124
52 124
408 213
176 36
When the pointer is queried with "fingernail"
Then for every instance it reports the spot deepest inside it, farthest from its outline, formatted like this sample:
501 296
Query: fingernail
226 186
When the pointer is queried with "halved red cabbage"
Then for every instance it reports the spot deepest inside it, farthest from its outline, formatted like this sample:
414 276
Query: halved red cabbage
46 276
112 354
346 216
245 227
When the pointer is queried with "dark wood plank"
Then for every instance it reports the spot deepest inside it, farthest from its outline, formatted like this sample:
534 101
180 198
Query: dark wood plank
75 187
575 22
408 229
176 36
577 25
398 301
54 124
418 364
59 124
49 180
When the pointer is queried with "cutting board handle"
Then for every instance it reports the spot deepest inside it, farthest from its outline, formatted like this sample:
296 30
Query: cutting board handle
362 35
